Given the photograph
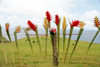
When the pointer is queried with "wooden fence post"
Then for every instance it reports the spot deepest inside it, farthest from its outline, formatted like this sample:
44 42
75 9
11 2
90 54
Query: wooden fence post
54 47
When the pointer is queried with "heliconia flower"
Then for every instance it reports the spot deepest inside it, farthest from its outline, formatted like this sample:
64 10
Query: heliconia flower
53 30
96 22
74 23
48 16
57 19
45 24
64 23
7 26
31 25
82 24
27 29
18 29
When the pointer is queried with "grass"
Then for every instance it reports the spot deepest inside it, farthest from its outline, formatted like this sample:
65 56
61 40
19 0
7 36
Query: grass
36 59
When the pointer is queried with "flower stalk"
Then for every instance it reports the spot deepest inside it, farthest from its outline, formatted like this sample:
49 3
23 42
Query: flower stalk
64 32
4 51
79 35
46 25
15 35
57 22
74 24
71 30
34 28
28 37
8 34
37 36
97 25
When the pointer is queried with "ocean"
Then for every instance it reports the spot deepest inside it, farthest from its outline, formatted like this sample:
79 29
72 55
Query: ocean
87 35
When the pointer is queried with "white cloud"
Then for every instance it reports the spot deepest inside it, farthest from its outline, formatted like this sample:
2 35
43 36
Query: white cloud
88 18
34 10
36 7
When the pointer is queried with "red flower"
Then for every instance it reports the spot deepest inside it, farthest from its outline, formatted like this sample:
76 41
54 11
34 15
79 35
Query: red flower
31 25
53 30
57 19
48 16
74 23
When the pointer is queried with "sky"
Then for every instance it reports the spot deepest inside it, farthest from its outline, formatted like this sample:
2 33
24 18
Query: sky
18 12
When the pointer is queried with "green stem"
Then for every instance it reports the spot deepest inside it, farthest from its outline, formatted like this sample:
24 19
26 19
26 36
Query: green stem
4 51
90 45
71 30
27 35
1 34
9 35
12 51
15 34
13 59
16 41
92 40
79 35
46 39
38 40
5 56
64 37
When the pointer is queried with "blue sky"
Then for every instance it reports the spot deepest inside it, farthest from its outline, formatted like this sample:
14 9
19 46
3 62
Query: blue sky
17 12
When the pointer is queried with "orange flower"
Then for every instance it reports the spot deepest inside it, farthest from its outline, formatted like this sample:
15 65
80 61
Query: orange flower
81 24
18 29
45 23
96 22
64 23
7 26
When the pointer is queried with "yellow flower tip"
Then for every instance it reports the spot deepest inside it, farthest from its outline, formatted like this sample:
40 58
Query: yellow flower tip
27 29
7 26
96 22
64 23
82 24
45 23
18 29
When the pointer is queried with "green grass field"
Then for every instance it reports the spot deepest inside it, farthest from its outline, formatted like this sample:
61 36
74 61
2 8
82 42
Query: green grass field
36 59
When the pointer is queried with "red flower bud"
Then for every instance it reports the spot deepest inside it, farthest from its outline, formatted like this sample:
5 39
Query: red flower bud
48 16
74 23
57 19
31 25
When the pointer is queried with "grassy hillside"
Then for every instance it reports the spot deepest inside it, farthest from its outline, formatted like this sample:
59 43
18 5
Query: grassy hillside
36 59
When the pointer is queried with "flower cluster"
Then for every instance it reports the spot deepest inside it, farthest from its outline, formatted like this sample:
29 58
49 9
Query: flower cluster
31 25
96 22
7 26
57 19
74 23
48 16
18 29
